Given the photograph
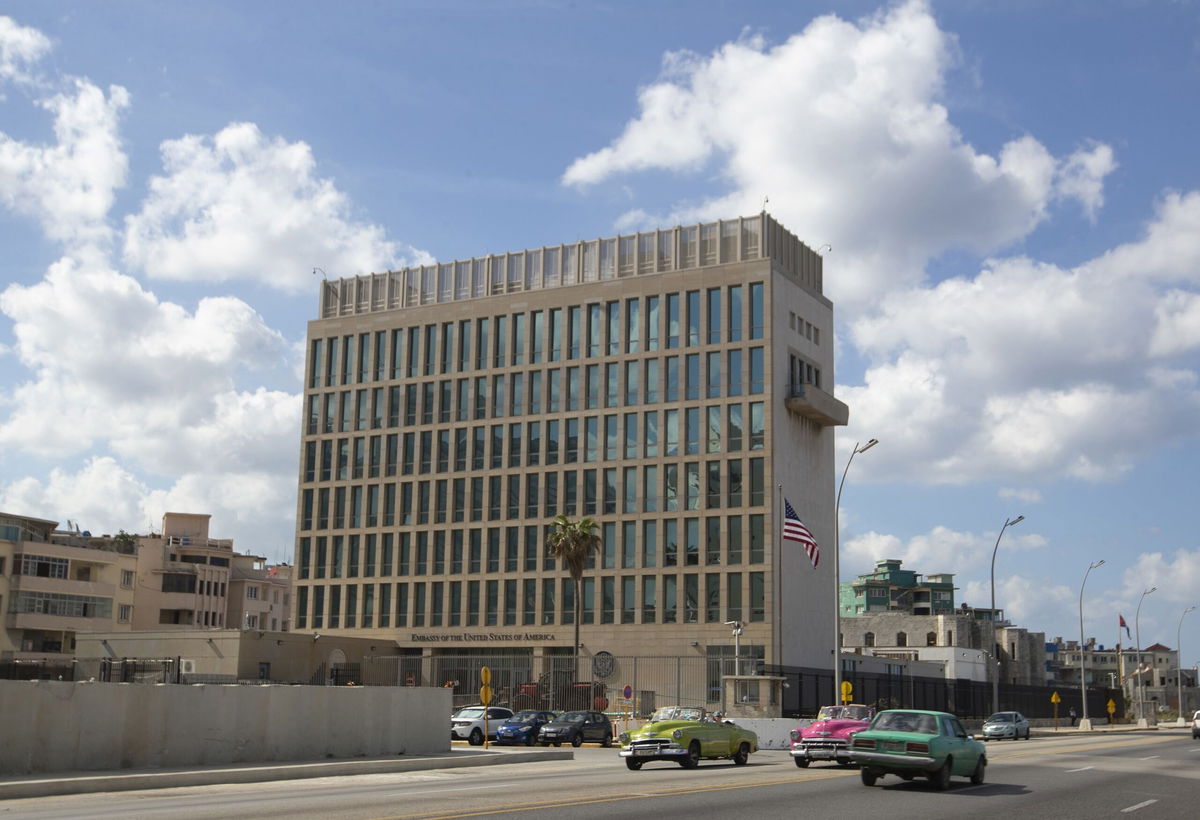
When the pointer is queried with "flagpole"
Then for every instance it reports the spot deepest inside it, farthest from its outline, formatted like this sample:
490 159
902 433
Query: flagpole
778 576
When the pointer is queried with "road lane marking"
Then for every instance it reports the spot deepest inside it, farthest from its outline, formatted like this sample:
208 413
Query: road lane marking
1084 769
1151 757
1141 805
453 789
608 798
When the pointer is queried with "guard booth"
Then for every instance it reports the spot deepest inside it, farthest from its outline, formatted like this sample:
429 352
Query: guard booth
752 696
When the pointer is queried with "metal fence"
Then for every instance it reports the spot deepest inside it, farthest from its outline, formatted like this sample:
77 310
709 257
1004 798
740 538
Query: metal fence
806 690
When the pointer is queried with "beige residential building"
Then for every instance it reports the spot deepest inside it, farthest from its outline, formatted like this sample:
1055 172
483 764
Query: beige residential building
674 385
183 575
56 584
259 596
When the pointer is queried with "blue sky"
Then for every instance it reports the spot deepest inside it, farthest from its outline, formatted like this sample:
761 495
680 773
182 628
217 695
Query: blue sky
1010 191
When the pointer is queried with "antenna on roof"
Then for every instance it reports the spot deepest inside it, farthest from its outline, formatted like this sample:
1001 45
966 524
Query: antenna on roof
315 269
766 199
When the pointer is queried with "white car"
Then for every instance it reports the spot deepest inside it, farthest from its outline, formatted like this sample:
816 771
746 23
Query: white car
467 724
1196 726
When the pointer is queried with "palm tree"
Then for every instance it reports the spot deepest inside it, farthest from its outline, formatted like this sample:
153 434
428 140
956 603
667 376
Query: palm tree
574 542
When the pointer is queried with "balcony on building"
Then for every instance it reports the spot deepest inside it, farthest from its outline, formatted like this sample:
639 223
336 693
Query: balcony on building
815 404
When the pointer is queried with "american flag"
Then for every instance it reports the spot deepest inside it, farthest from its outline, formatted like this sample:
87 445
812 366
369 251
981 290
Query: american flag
794 530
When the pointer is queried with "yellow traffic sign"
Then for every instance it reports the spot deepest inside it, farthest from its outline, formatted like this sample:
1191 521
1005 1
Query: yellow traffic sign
485 695
1055 698
485 675
1112 706
847 691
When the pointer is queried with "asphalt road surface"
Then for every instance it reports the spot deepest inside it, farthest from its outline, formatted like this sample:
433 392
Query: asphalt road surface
1132 775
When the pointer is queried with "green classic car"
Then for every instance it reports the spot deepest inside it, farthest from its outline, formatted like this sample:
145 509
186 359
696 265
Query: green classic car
687 734
911 743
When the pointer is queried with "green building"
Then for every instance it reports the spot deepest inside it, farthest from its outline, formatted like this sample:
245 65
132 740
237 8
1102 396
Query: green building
892 589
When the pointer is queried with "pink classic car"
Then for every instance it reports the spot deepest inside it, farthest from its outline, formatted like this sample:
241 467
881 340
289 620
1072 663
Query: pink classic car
828 738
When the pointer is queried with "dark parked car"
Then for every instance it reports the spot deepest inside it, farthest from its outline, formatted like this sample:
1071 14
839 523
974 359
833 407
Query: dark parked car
523 727
577 728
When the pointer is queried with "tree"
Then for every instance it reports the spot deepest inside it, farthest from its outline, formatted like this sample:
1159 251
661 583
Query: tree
574 542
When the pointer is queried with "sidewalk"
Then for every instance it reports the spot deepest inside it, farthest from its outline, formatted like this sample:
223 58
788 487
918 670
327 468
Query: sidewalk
128 780
1105 728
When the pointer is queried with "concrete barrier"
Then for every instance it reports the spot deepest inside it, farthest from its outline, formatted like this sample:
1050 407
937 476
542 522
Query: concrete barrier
57 726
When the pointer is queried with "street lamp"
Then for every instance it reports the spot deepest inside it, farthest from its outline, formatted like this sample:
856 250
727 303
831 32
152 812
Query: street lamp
1083 677
837 588
996 678
736 626
1179 664
1138 634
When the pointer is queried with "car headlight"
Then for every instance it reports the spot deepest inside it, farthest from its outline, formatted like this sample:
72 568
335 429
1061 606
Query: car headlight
677 734
623 738
795 735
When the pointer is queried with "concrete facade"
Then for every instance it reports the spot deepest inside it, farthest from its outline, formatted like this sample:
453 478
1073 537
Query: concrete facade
53 726
228 655
674 386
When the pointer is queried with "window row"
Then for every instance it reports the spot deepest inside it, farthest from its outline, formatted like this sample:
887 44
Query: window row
612 437
648 599
693 485
616 384
709 541
616 327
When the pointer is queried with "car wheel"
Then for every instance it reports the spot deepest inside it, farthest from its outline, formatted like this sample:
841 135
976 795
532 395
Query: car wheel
632 765
607 742
1027 734
557 744
977 775
577 741
802 762
742 756
476 738
869 777
692 760
941 778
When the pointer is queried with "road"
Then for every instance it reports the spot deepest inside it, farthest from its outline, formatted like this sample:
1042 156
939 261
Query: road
1153 774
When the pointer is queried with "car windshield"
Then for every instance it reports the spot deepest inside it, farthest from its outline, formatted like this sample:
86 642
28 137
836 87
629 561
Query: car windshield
853 712
523 717
678 713
469 714
573 717
905 722
1001 717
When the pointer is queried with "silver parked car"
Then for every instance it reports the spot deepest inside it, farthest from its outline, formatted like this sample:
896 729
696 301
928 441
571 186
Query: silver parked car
1004 725
1196 726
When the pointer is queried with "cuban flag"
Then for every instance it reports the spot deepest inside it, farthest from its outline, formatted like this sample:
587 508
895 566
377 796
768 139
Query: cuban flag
1125 626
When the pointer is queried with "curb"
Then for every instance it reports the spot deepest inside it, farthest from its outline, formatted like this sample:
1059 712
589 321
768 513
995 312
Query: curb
175 778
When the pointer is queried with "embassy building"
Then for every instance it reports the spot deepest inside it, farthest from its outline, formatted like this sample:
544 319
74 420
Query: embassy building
673 385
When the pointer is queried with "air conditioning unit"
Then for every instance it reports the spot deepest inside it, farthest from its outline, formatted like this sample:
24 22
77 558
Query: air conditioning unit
187 666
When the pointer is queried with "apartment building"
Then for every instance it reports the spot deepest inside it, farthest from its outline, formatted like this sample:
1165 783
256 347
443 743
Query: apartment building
260 596
675 386
56 584
889 588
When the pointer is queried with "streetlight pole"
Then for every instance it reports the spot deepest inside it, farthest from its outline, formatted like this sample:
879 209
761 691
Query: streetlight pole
837 587
1082 668
1137 627
996 678
1179 665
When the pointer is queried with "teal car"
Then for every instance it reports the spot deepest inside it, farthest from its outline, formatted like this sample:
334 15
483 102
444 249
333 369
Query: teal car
687 735
910 743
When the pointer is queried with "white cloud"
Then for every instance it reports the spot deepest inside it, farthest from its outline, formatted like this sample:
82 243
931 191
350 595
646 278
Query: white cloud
1176 575
69 186
20 48
1025 494
240 205
843 127
1037 604
102 496
1021 369
940 550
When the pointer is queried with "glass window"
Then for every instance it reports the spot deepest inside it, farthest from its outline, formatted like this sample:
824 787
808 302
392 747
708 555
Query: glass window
713 365
757 483
672 320
649 544
652 381
652 323
633 326
650 430
692 365
672 388
693 318
633 379
649 605
691 430
733 539
671 432
757 425
758 610
612 384
757 322
650 485
595 325
614 327
537 340
756 370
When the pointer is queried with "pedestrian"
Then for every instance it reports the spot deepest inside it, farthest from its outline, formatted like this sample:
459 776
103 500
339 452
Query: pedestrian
1073 715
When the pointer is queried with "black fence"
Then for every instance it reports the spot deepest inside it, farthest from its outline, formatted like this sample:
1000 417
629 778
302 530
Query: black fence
37 670
807 690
